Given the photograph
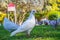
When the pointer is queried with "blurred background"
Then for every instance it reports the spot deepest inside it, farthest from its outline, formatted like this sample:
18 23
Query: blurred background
45 9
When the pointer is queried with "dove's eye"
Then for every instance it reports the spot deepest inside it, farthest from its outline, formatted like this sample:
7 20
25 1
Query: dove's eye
33 11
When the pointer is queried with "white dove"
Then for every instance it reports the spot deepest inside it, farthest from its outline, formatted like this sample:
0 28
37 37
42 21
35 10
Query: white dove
10 26
27 26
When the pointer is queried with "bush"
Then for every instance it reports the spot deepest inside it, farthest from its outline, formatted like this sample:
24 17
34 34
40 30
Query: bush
39 15
52 17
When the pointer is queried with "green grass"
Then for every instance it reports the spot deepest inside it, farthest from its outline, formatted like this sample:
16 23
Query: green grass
38 33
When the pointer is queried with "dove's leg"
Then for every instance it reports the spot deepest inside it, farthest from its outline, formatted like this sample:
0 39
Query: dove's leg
29 31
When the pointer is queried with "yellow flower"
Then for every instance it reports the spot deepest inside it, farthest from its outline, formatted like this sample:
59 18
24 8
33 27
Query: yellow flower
58 0
54 12
2 15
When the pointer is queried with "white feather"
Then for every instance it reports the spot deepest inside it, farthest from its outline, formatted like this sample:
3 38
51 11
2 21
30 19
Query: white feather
10 26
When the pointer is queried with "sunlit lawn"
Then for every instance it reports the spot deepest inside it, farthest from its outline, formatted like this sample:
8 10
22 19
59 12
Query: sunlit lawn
39 33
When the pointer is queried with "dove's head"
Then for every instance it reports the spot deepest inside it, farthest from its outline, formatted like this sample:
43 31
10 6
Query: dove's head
33 11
